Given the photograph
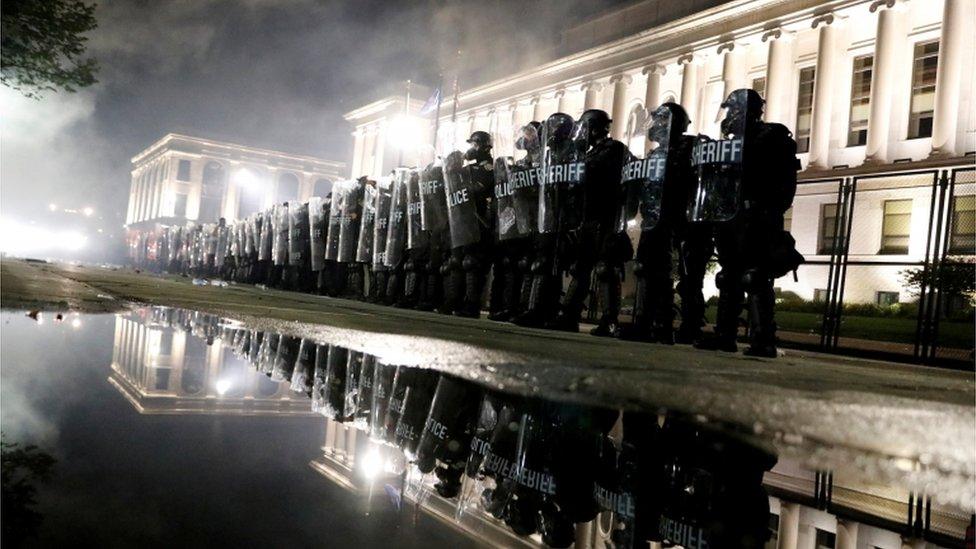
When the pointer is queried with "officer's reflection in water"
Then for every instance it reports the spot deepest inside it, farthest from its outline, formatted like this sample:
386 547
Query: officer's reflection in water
534 465
428 237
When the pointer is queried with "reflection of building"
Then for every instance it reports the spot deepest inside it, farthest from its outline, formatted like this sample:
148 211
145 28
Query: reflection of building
872 90
181 178
162 370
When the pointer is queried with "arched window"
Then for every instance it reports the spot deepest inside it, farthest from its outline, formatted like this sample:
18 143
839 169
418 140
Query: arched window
287 187
212 192
252 187
636 121
322 188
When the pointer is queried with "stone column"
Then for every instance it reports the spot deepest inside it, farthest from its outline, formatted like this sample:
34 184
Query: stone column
789 526
350 446
536 106
689 88
733 67
652 94
956 17
619 110
560 97
846 535
380 148
591 98
779 72
356 168
889 40
823 92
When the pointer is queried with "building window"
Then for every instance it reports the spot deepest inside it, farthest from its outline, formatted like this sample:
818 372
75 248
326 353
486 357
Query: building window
179 207
820 295
804 109
896 226
829 239
635 128
162 379
962 241
857 133
287 187
788 219
322 188
886 299
183 171
212 192
923 89
825 539
759 85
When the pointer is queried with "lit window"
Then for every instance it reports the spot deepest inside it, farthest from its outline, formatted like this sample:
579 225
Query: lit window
886 299
759 85
788 219
896 226
820 295
183 171
860 100
179 208
804 109
829 239
962 241
923 89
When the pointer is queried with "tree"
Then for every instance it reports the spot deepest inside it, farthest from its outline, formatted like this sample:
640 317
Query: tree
43 45
956 277
22 469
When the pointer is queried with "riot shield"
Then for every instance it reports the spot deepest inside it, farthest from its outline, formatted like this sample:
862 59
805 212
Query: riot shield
396 238
433 203
717 164
336 206
279 246
222 231
266 238
316 224
642 179
297 233
417 237
352 213
364 247
516 198
381 226
250 239
563 171
463 215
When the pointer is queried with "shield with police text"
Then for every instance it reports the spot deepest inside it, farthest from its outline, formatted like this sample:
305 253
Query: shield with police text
297 233
417 237
352 213
717 164
642 179
563 171
317 228
266 238
336 204
433 204
524 179
279 245
505 217
462 210
364 247
381 226
396 238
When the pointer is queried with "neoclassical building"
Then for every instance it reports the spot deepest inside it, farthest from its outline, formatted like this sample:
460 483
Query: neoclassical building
878 94
182 178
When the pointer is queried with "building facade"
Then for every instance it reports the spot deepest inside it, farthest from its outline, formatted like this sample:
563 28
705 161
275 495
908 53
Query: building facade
181 178
878 95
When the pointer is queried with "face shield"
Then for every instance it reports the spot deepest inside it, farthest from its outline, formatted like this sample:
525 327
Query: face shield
657 126
527 138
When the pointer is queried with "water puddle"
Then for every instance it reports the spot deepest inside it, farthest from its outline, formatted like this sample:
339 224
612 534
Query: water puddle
184 427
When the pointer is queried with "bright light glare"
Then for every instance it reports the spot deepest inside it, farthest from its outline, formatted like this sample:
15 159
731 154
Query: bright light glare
17 239
76 323
88 211
405 132
372 463
52 206
246 178
224 385
632 223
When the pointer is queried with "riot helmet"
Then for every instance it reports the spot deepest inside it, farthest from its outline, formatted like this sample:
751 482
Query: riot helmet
558 129
667 121
527 138
593 127
480 149
741 109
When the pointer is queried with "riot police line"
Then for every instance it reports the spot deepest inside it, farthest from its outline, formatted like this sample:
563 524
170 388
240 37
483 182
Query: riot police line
537 466
548 228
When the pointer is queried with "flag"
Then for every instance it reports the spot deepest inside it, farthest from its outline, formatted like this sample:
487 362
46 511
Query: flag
431 105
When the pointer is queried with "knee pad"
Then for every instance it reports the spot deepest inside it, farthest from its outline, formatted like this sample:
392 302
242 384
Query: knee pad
523 264
454 263
408 265
538 266
469 263
506 261
720 280
638 268
754 279
445 268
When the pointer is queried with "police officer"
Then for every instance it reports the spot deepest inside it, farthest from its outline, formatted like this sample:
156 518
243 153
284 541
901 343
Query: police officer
749 196
595 246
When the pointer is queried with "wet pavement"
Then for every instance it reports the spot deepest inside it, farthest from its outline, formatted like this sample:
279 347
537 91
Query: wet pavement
177 426
878 428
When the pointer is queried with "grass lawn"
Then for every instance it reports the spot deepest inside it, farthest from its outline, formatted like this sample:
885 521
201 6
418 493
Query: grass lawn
901 330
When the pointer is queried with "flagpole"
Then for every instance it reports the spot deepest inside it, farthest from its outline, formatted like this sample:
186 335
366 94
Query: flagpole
437 112
406 112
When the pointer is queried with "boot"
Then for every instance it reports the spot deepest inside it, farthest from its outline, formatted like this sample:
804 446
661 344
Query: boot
762 328
496 291
610 300
572 306
640 329
473 286
534 315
